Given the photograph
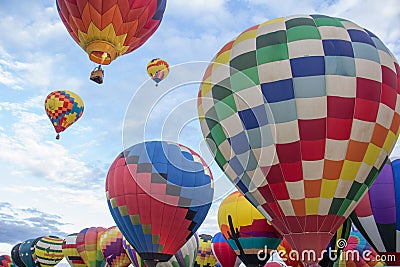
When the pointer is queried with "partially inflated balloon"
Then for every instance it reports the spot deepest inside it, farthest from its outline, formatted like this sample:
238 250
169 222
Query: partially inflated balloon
70 251
158 69
186 256
27 252
110 243
205 257
107 29
63 109
223 252
246 229
132 254
48 251
6 261
377 216
87 244
158 193
301 112
16 257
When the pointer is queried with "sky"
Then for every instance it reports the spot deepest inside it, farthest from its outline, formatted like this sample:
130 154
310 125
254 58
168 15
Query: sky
57 187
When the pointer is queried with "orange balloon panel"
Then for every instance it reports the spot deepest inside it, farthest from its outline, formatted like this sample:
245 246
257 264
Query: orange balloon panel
106 29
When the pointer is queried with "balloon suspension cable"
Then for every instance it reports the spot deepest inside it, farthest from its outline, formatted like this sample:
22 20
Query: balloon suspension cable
58 136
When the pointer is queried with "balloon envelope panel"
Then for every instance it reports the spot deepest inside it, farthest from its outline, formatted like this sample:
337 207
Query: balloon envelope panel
71 252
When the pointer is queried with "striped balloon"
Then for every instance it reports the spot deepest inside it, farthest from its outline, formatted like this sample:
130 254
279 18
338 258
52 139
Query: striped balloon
185 256
27 252
87 244
71 253
16 257
48 251
132 254
6 261
205 257
110 243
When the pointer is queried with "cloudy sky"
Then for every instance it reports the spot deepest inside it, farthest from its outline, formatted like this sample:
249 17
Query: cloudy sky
57 187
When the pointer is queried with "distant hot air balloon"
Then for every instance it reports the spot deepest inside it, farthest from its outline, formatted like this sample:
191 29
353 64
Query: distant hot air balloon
157 69
246 229
87 244
132 254
158 193
186 256
108 29
63 109
110 243
48 251
300 113
16 257
70 251
6 261
27 252
205 257
377 216
223 252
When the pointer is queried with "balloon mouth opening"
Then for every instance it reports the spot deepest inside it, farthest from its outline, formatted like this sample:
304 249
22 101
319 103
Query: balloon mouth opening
101 52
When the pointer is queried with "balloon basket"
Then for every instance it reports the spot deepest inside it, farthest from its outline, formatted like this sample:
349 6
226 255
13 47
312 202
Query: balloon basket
58 136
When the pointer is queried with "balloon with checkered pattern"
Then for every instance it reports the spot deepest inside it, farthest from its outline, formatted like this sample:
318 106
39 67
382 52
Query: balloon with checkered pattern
301 112
6 261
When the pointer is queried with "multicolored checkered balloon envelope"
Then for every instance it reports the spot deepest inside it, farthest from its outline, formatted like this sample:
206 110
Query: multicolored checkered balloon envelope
107 29
63 109
301 113
205 256
158 193
110 243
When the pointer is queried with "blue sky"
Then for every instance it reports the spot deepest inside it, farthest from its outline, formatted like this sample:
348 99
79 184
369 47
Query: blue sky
57 187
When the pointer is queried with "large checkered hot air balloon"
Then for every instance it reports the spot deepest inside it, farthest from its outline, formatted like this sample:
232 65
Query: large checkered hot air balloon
158 193
107 29
377 216
301 112
63 109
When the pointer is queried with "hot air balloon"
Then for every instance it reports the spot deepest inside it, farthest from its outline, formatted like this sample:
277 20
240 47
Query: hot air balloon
223 252
300 113
246 230
157 69
358 253
87 244
159 194
205 257
335 247
63 109
110 243
27 252
186 256
16 257
132 254
108 29
70 252
290 257
6 261
377 216
48 251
